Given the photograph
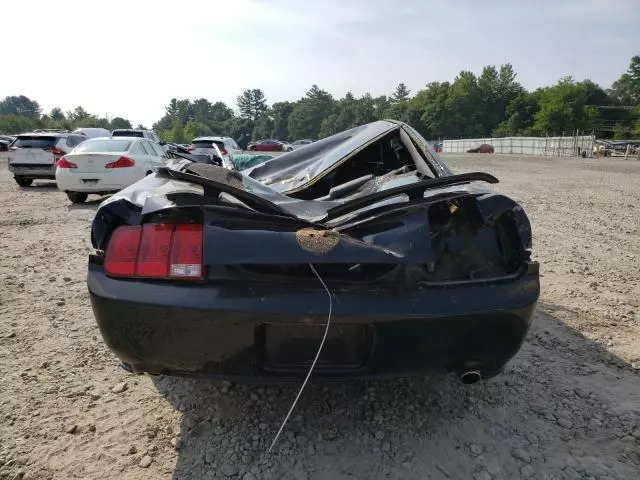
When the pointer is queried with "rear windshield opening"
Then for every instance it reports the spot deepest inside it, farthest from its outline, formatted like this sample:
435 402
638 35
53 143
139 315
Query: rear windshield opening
127 133
35 142
103 146
207 144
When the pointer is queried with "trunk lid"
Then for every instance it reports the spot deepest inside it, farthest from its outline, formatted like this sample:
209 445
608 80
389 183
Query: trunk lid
31 156
93 162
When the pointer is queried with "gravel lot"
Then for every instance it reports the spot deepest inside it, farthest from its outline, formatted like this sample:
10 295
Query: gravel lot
568 406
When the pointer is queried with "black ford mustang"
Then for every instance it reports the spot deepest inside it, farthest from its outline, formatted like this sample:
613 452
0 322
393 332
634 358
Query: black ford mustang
204 271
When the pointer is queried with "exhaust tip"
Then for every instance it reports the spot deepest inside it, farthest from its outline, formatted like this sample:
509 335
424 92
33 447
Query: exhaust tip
470 377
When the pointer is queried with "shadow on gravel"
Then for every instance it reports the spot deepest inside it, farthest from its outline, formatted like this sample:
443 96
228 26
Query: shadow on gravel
88 205
562 394
41 185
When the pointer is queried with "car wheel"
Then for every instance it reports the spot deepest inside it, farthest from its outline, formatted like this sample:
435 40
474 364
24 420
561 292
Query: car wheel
77 197
23 182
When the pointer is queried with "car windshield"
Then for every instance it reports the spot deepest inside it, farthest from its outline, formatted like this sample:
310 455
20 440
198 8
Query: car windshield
103 145
35 141
127 133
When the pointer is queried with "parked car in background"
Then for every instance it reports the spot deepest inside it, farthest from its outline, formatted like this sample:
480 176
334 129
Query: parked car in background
269 146
205 272
437 147
135 132
34 155
482 148
224 147
105 165
92 132
301 143
5 141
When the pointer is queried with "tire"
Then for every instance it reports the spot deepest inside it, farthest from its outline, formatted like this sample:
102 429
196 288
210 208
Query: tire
77 197
23 182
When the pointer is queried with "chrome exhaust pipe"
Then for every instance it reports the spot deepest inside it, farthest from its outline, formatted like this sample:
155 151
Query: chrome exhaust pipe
470 377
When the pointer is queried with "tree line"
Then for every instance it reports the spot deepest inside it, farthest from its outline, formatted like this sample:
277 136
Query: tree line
21 114
492 103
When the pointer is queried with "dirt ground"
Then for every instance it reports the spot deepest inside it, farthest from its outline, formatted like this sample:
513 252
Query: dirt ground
567 407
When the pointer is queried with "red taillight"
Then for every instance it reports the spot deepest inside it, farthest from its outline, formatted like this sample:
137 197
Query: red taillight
54 150
64 163
190 149
156 250
223 151
122 162
120 259
155 246
186 252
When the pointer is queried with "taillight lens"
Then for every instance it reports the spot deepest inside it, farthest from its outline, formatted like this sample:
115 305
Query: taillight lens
155 246
156 250
54 150
64 163
190 149
186 252
122 162
120 259
223 151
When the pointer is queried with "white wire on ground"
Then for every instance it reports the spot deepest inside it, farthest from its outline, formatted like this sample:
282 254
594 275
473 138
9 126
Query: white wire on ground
313 364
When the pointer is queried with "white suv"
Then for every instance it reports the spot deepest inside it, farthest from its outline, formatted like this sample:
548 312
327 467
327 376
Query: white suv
34 155
227 147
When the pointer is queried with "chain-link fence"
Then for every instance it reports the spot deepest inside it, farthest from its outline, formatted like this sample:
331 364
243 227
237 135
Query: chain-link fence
548 146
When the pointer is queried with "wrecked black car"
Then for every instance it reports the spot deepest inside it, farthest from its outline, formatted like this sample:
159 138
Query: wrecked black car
204 271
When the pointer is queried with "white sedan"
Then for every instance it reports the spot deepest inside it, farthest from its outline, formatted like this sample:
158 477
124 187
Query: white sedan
106 165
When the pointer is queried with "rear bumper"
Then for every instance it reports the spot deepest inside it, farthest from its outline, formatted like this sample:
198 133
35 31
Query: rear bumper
39 171
235 330
90 182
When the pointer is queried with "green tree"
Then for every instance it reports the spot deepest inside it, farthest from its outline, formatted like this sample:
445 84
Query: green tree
252 103
626 90
262 128
240 129
401 93
308 113
13 124
520 116
279 113
194 129
219 112
57 114
465 119
78 114
20 106
431 101
566 106
177 132
119 122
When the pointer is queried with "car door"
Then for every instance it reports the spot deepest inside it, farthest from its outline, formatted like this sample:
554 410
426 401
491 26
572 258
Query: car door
156 155
147 157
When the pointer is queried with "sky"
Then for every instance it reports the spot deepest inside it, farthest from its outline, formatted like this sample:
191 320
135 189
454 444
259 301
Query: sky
129 58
